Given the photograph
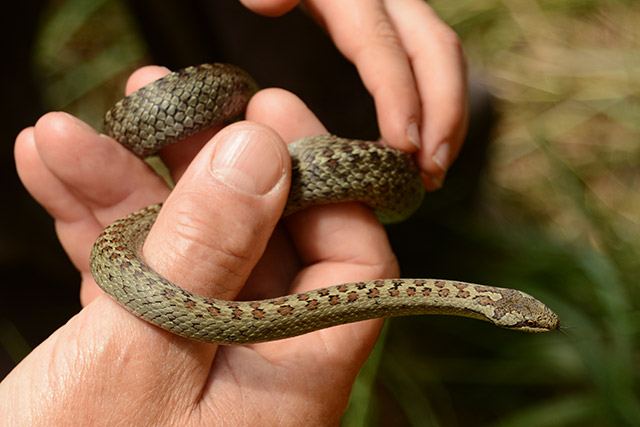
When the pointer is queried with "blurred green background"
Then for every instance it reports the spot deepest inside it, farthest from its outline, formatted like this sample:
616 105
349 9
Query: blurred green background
545 197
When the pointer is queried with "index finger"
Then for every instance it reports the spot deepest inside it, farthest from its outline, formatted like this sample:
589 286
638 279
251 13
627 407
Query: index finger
364 33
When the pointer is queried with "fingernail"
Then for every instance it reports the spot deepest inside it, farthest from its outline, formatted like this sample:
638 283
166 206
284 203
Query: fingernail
441 156
248 161
413 133
432 183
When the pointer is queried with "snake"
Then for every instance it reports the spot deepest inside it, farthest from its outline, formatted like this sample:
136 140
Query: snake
326 169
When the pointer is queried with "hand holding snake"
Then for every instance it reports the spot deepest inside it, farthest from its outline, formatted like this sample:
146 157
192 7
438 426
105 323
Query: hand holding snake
136 364
128 357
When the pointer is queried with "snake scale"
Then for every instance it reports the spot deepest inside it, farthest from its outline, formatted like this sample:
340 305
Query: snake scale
326 169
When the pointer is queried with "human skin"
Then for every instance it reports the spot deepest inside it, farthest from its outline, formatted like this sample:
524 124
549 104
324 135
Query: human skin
220 235
106 366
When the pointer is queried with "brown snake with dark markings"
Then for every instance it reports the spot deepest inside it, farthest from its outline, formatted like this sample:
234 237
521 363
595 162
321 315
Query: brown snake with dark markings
326 169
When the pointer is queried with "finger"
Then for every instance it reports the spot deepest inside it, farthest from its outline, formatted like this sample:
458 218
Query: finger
106 177
106 182
61 204
40 181
284 112
364 33
143 76
338 243
438 63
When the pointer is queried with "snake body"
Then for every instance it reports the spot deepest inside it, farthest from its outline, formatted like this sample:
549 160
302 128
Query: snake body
326 169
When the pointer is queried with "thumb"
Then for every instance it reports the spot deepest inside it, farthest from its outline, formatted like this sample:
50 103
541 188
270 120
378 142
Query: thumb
215 225
210 233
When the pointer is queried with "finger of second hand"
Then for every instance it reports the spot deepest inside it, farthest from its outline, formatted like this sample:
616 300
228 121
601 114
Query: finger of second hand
364 33
439 67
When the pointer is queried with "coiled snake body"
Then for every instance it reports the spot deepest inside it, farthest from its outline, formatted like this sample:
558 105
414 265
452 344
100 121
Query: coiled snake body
326 169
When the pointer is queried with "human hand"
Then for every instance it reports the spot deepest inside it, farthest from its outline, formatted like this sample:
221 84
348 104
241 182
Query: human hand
412 64
106 365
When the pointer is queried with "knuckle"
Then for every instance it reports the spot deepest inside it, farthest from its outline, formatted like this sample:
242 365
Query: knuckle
194 241
196 237
450 45
385 34
448 38
386 266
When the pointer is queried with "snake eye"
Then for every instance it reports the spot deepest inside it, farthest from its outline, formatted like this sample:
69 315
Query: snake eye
531 323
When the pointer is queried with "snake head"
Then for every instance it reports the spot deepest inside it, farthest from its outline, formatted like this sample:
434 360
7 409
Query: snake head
526 314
